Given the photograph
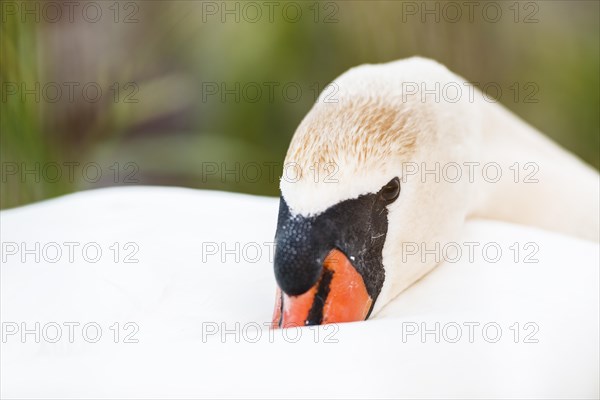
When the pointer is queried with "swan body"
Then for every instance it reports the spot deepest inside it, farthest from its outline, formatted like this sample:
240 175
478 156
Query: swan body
377 130
175 290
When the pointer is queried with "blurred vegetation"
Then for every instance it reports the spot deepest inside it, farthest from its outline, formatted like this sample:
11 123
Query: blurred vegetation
159 62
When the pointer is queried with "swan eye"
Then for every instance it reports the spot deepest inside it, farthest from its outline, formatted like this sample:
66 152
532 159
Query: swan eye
391 191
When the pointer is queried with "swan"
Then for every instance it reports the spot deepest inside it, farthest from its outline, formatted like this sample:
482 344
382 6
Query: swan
339 242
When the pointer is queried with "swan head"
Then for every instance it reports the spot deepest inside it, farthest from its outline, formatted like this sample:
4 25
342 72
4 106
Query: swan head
347 203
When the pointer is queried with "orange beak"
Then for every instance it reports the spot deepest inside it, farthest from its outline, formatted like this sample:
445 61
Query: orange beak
340 295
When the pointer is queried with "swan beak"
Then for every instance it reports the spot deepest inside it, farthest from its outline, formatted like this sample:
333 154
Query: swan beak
340 295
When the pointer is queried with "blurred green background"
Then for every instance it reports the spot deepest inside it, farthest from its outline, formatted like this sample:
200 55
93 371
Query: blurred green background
168 113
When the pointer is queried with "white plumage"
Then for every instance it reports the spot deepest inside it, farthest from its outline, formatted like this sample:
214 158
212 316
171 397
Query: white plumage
170 293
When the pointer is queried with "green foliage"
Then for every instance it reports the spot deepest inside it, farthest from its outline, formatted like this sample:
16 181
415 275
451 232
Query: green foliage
158 114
